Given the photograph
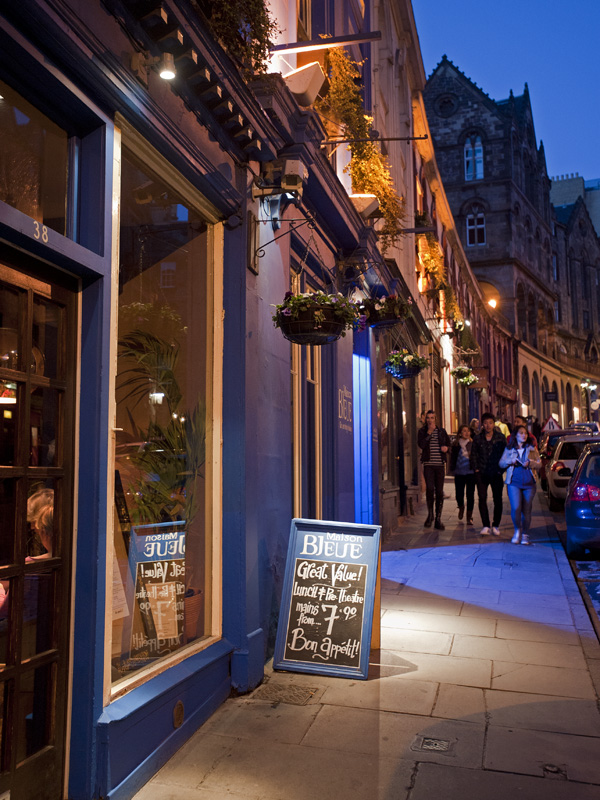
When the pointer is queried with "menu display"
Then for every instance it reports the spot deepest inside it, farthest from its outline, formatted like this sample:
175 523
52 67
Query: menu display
328 596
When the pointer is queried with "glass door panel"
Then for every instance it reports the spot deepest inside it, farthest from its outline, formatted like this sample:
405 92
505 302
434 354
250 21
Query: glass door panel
37 379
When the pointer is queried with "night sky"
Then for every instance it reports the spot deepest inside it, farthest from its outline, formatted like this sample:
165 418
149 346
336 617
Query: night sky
550 44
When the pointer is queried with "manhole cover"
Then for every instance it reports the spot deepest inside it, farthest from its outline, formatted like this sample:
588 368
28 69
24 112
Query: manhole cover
429 744
289 693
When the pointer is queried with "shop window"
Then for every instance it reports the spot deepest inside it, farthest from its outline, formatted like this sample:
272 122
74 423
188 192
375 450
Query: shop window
33 163
162 531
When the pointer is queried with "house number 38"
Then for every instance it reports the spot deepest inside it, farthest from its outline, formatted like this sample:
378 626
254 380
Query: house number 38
40 231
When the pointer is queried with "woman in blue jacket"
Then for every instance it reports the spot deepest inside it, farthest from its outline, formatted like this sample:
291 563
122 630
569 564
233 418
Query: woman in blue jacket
520 459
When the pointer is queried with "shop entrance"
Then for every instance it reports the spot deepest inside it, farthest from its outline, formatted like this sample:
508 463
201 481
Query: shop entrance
37 381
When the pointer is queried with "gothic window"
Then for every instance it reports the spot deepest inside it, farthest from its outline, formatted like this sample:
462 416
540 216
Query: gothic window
557 310
555 266
475 226
473 158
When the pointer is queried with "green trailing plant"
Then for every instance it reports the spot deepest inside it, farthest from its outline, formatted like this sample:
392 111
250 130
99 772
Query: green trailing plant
368 168
169 457
318 304
432 260
464 375
452 309
245 30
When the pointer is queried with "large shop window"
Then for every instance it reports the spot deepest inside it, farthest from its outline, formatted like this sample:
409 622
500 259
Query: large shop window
162 580
33 162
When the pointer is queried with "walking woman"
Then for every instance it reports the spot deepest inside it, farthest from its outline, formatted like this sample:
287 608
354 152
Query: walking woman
519 459
464 474
434 443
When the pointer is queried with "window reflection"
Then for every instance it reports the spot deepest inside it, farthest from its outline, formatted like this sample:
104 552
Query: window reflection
33 161
159 575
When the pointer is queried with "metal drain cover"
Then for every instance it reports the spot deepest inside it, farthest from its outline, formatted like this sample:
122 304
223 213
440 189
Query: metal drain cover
429 744
285 693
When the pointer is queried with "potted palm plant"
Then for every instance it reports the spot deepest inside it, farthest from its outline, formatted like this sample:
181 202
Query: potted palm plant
316 318
404 363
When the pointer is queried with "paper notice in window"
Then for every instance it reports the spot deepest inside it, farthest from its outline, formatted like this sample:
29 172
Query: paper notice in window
163 605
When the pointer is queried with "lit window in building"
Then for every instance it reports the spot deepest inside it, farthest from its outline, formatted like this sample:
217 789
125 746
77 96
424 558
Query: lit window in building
473 158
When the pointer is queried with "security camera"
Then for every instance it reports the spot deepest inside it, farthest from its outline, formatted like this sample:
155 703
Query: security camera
293 175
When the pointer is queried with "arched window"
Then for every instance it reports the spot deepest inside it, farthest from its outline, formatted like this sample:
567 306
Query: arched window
473 158
475 226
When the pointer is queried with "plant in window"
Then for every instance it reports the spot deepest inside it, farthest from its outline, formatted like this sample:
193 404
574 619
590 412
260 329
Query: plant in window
245 30
464 375
368 168
168 457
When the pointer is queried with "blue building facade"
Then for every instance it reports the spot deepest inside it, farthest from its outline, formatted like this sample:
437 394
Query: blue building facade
168 426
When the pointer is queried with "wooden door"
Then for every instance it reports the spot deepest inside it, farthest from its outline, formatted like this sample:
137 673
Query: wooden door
37 380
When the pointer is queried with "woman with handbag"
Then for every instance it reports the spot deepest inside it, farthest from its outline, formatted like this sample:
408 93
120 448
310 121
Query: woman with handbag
520 459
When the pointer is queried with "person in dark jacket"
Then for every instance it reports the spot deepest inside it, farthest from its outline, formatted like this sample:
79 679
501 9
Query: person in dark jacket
434 443
488 447
464 474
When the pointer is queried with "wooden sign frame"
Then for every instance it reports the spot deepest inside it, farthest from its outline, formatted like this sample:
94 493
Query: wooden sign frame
326 614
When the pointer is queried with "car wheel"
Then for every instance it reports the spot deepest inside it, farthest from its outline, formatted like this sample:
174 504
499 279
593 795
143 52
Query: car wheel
574 549
554 503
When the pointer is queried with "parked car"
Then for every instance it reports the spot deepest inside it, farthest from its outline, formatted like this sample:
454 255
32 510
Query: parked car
591 426
546 447
560 468
582 506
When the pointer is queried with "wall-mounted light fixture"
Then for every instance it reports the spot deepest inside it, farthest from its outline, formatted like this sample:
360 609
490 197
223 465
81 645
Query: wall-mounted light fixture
492 302
141 62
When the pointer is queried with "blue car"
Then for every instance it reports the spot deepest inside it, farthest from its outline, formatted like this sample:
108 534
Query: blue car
582 506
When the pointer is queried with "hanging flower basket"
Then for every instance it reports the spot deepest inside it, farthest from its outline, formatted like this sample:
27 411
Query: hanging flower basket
385 312
316 318
404 364
464 375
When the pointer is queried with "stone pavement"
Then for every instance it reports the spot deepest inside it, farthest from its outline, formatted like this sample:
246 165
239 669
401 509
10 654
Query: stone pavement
486 686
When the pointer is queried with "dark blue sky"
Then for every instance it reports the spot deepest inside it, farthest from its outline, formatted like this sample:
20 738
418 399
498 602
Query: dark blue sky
550 44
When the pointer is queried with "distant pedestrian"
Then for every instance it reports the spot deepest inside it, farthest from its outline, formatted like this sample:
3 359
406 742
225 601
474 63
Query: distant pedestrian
520 458
536 428
488 447
434 443
503 427
522 422
475 427
464 474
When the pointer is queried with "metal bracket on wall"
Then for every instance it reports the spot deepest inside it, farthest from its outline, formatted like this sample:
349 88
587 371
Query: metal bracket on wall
259 252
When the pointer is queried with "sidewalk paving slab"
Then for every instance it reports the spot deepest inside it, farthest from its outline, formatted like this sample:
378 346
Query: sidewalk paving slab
486 686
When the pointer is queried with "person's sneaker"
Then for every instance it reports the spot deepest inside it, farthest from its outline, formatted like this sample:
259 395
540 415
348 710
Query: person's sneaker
525 539
495 530
485 531
461 512
517 537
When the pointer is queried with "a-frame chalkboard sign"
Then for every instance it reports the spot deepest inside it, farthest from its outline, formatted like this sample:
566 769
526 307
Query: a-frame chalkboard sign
326 612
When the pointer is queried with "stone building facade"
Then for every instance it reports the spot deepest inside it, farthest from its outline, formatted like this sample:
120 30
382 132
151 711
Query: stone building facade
528 258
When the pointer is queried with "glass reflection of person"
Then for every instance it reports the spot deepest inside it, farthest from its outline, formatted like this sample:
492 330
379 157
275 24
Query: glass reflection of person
40 515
